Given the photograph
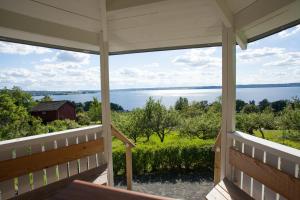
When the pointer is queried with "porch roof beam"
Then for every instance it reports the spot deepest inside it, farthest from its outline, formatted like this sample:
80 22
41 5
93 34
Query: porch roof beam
228 20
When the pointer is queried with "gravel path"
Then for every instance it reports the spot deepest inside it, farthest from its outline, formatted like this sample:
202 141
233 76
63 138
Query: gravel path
189 186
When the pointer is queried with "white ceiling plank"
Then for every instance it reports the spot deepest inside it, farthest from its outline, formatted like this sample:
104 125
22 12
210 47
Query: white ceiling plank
259 11
226 16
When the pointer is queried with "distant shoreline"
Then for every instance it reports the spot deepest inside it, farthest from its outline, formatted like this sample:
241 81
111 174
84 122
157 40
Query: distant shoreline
43 93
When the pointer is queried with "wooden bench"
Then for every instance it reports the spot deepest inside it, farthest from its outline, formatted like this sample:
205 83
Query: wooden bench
226 190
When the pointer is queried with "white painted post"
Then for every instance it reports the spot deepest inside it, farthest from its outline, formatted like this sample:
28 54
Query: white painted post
104 68
228 95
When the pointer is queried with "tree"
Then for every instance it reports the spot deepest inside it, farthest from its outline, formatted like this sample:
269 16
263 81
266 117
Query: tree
15 121
116 107
250 108
181 103
264 104
158 119
279 106
82 118
240 105
204 126
19 97
95 110
46 98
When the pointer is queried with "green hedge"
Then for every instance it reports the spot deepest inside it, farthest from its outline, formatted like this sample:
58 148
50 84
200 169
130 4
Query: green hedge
194 154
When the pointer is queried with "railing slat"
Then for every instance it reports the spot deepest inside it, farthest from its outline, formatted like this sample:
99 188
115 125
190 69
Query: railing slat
62 168
286 185
38 176
51 172
24 180
92 158
83 162
7 188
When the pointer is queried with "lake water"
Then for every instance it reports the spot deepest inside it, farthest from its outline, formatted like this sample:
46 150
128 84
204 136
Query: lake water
132 99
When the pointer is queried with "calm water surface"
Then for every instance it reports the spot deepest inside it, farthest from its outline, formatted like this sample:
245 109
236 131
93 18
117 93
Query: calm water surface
133 99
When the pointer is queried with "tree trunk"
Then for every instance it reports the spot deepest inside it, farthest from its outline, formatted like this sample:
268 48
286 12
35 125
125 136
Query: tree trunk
262 133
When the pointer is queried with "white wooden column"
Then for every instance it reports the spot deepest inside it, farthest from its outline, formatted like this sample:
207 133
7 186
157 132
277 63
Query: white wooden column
104 69
228 95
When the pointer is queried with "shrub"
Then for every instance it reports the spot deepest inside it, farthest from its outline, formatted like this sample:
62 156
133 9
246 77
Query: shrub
83 118
189 154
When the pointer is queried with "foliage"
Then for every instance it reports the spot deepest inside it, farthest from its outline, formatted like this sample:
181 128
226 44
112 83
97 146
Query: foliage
181 104
15 121
82 118
279 106
153 156
250 108
19 97
60 125
240 104
204 126
159 119
95 110
46 98
131 123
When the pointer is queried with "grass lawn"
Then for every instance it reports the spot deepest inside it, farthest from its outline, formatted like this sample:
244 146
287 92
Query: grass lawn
276 136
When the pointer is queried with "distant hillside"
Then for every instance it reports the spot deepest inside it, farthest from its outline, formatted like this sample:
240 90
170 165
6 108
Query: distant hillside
44 93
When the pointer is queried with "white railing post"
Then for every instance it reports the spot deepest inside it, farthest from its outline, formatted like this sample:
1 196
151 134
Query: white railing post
104 69
228 95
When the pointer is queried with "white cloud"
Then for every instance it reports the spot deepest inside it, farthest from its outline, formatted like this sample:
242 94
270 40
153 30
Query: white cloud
202 58
286 59
21 49
258 53
69 57
50 76
289 32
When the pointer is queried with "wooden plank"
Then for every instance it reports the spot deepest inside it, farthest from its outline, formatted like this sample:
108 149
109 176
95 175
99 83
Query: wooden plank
43 138
51 171
217 164
48 190
72 165
129 167
7 187
92 158
282 183
228 191
62 168
19 166
121 136
84 190
24 180
105 93
83 162
38 176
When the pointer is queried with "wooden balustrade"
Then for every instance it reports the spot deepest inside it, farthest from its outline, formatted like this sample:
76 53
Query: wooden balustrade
46 162
128 145
264 169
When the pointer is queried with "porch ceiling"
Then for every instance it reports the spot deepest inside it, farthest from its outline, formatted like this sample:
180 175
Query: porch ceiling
141 25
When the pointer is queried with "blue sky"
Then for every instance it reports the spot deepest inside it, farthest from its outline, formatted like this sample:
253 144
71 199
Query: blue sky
275 59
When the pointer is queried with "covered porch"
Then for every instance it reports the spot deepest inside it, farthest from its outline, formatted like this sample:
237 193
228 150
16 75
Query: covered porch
245 166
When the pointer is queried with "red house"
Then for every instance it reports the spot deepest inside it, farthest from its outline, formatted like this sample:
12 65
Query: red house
53 110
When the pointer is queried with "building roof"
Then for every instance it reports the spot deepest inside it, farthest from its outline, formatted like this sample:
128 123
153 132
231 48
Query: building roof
48 106
142 25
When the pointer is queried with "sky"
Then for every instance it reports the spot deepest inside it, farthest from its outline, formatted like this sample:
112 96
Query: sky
275 59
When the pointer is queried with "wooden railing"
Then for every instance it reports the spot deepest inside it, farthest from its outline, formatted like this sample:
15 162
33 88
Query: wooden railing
128 145
264 169
217 163
29 163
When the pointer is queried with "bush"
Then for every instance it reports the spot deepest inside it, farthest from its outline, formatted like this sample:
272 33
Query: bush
60 125
83 118
190 154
